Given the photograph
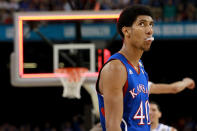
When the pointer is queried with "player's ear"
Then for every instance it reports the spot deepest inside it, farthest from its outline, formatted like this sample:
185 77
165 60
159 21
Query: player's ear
125 31
160 114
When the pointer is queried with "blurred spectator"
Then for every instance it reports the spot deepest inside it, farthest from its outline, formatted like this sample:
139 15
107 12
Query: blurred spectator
145 2
13 5
190 11
53 129
169 11
44 5
4 12
24 5
105 5
36 128
89 4
66 126
3 4
78 123
66 5
135 2
156 6
189 124
12 128
5 127
47 126
3 16
163 10
55 5
181 14
123 3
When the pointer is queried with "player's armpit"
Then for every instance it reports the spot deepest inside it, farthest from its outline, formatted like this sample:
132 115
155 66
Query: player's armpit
112 80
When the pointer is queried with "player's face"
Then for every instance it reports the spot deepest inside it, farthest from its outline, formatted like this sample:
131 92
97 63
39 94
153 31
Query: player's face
155 114
142 29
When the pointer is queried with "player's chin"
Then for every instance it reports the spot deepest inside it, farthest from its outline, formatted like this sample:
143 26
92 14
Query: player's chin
146 48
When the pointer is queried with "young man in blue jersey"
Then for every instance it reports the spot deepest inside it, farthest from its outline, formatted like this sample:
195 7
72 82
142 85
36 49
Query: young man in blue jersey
122 84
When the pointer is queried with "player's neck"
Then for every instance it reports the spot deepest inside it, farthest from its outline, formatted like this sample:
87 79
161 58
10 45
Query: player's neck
132 54
154 124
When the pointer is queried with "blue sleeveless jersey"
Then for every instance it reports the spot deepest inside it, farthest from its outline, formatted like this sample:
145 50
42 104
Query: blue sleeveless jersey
136 98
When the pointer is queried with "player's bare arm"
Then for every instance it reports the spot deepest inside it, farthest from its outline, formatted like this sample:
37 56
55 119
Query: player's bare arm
112 80
174 88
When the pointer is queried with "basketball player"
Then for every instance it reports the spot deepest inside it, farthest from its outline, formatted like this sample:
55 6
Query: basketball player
122 84
155 115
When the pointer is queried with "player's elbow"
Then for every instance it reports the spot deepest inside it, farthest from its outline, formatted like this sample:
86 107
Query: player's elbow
175 90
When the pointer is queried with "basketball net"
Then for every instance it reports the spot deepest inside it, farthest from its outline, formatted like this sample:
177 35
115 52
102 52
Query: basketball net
72 80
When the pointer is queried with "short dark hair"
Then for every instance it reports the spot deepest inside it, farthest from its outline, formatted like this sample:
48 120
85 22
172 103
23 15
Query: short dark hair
129 15
153 102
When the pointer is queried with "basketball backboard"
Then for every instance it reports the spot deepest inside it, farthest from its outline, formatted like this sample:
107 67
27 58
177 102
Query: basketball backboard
33 63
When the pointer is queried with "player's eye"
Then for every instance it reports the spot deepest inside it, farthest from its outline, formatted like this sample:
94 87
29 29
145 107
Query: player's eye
151 24
141 24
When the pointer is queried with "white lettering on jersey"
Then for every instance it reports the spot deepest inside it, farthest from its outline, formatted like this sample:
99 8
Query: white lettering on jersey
140 88
133 94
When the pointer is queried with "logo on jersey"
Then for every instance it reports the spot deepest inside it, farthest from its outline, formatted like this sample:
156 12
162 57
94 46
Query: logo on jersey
140 64
130 72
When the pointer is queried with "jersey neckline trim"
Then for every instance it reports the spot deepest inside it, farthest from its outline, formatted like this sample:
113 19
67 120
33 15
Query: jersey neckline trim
138 72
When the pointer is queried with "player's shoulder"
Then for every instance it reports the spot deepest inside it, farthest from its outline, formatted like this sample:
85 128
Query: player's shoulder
114 65
114 68
166 127
113 74
163 125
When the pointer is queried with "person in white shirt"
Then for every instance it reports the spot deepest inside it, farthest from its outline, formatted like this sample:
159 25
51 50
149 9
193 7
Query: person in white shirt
155 115
173 88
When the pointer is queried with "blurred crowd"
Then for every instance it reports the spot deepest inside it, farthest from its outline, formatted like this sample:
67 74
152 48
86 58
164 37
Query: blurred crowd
29 127
76 124
164 10
183 124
